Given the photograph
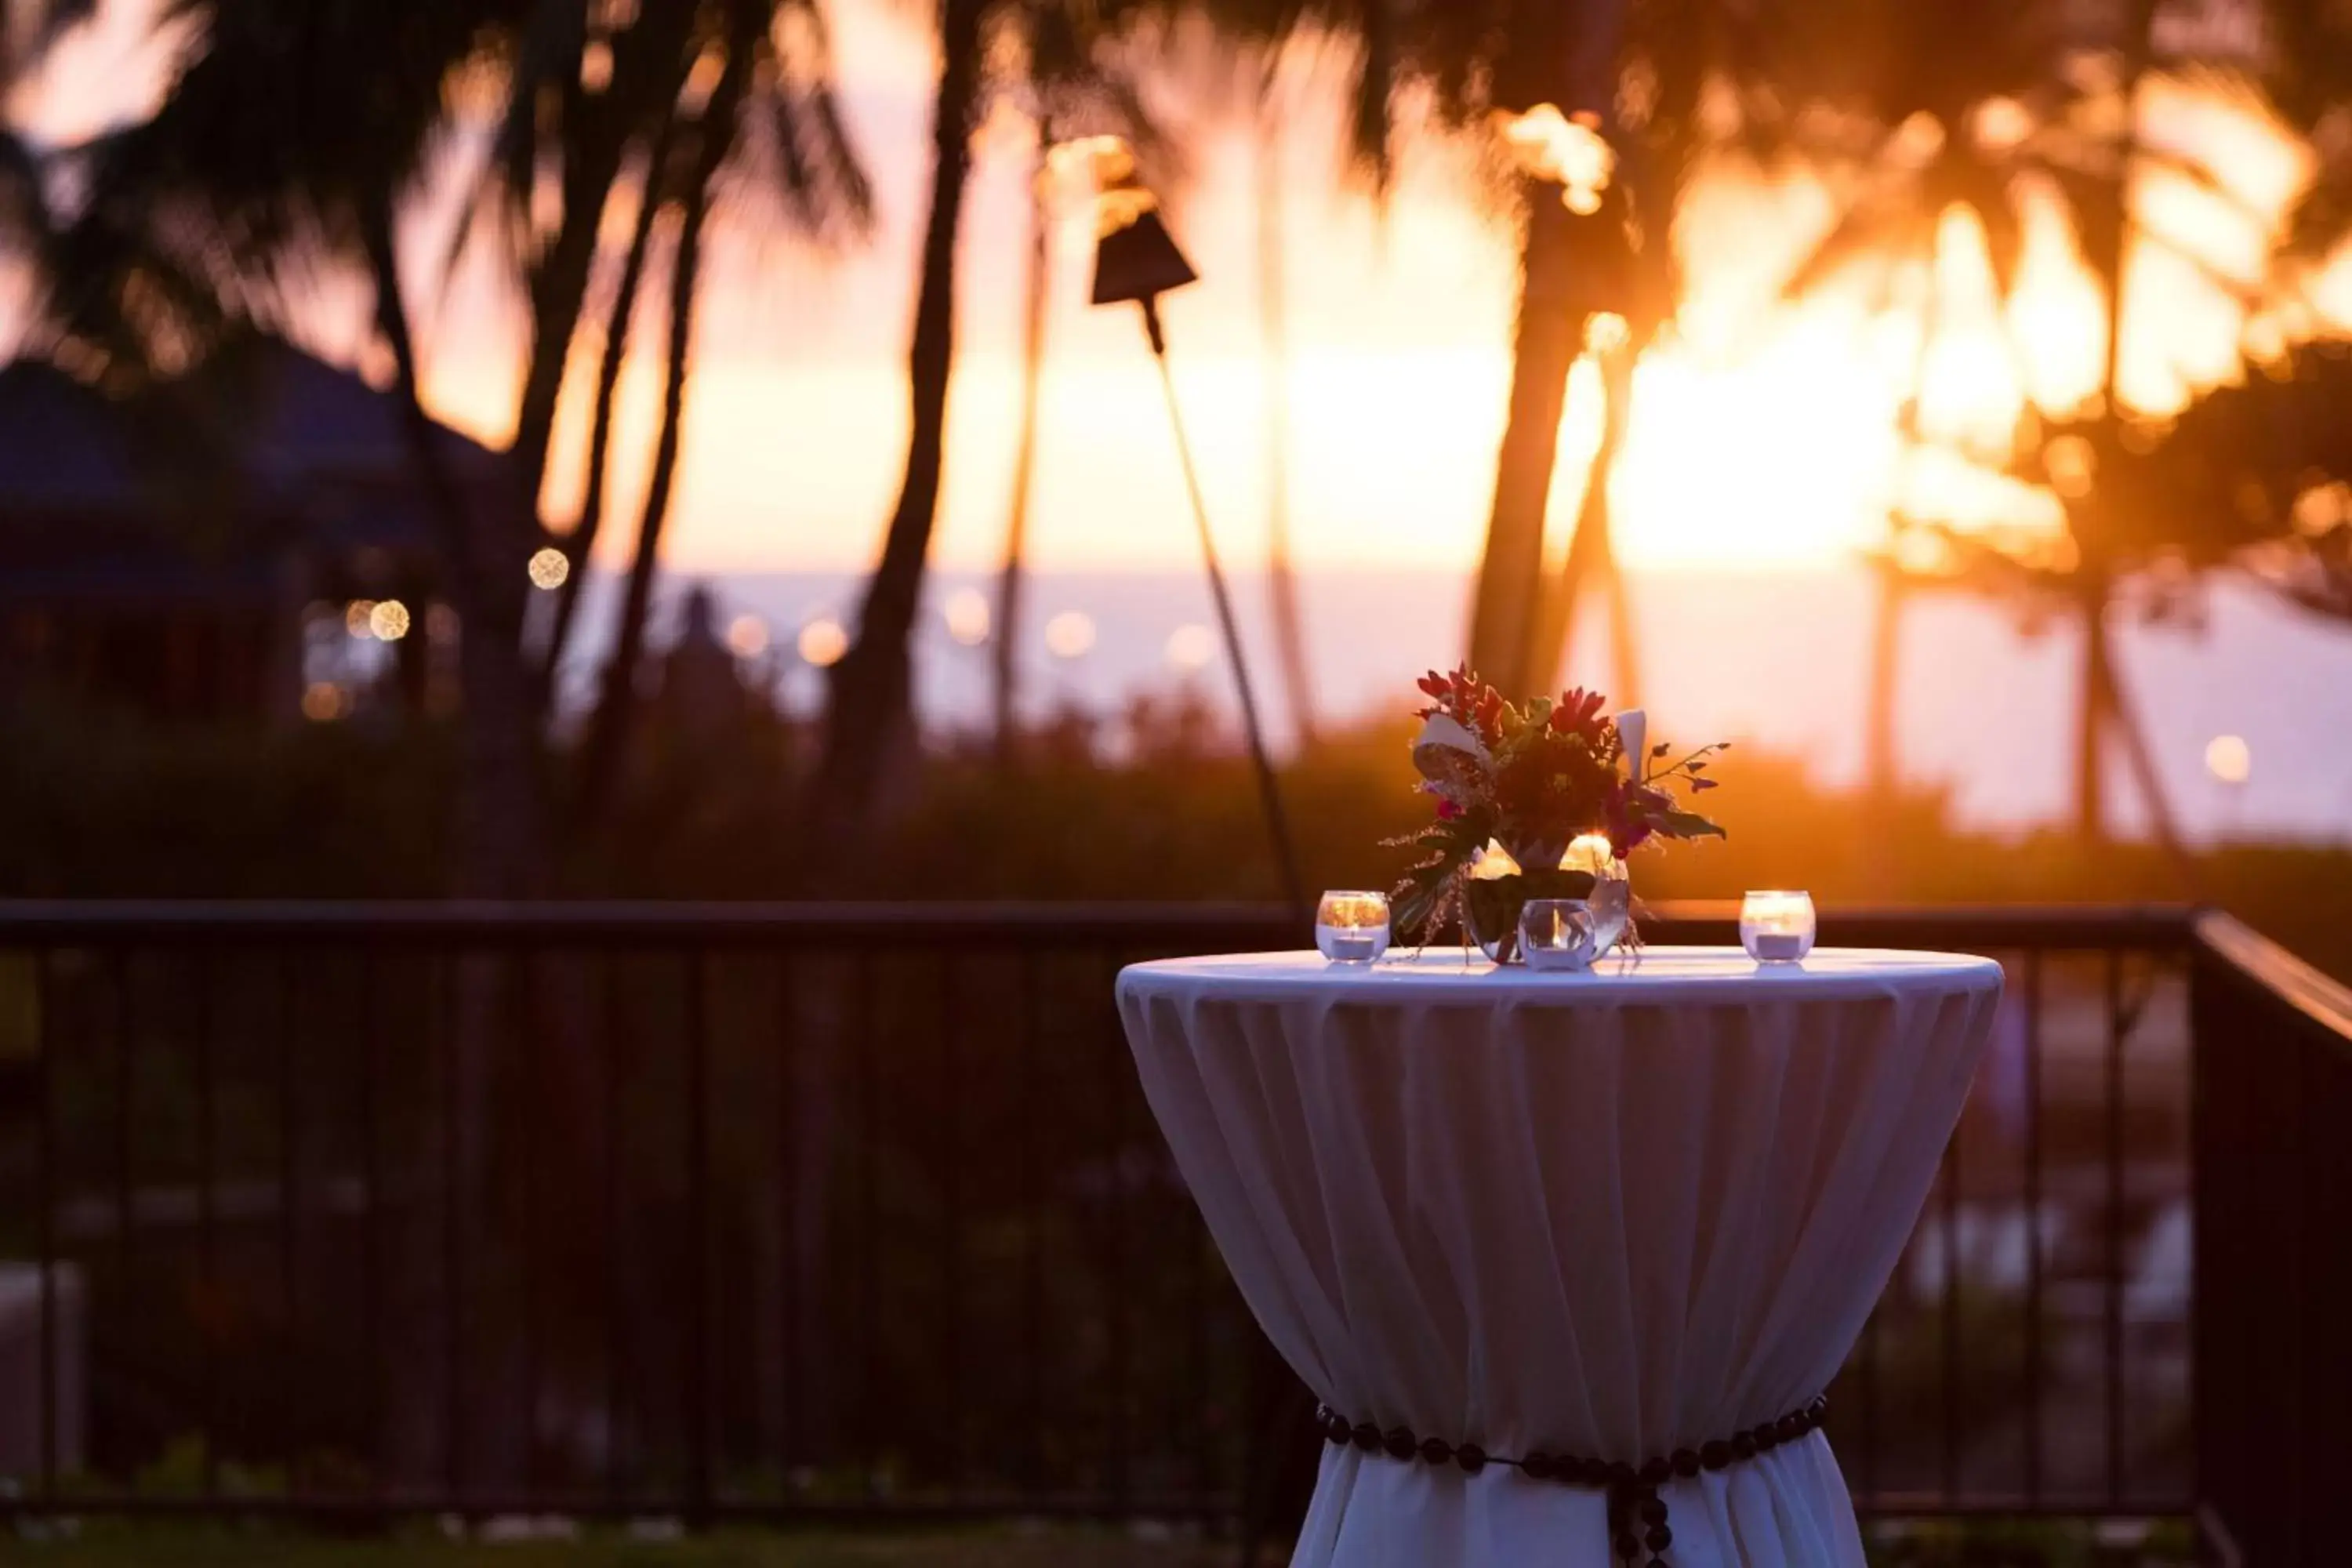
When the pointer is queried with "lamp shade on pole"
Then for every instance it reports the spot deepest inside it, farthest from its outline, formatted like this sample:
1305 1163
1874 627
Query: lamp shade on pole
1138 260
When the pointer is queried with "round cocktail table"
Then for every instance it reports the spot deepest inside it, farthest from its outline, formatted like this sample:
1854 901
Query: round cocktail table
1567 1257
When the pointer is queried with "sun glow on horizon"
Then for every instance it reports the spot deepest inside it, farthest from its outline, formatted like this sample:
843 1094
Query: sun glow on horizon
1764 435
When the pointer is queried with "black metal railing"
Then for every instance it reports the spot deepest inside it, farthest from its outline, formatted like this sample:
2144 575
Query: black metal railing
2273 1244
857 1212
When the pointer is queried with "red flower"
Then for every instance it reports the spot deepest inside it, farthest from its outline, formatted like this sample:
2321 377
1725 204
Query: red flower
1466 700
1579 713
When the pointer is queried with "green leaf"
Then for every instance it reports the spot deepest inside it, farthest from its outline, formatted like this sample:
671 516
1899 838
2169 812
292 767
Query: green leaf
1688 825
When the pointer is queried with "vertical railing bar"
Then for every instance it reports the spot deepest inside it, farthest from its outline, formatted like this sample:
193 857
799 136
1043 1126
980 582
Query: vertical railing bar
208 1274
951 1303
2289 1470
788 1203
862 1037
2033 1324
1115 1110
609 1034
126 1171
45 1198
2183 965
529 1244
126 1195
1033 1263
451 1026
1949 1370
2115 1228
1869 1377
698 1346
371 1271
1200 1394
289 1190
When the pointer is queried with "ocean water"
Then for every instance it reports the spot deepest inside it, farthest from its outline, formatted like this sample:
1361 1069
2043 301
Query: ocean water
1778 659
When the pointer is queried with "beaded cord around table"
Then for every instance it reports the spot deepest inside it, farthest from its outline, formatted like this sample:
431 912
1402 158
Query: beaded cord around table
1637 1514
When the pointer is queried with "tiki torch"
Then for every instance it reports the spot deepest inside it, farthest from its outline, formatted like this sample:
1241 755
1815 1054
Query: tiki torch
1137 260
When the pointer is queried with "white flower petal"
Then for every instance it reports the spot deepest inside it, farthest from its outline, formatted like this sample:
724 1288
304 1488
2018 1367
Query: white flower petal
1442 730
1634 728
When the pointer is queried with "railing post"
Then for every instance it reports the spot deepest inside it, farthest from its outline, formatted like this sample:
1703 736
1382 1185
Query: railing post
700 1493
2209 1476
2272 1202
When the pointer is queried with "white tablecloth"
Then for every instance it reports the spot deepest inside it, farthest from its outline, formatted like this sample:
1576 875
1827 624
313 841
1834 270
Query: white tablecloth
1612 1214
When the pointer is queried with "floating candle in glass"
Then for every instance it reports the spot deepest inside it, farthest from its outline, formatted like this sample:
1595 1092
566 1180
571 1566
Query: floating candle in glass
1777 926
1353 927
1559 933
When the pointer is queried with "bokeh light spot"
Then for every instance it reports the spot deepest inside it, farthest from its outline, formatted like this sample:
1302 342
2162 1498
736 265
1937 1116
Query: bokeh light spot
2072 466
746 636
1070 634
322 701
389 620
2229 759
823 642
1191 648
550 568
967 616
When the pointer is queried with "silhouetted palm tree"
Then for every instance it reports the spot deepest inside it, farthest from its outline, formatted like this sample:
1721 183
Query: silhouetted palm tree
1637 70
1964 104
2149 509
1273 301
1064 58
1004 648
1915 84
2253 478
292 143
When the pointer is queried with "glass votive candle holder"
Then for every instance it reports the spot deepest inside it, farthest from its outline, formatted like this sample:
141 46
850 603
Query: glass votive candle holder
1777 926
1351 927
1559 933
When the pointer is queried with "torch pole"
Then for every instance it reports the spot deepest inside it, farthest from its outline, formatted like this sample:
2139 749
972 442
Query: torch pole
1269 791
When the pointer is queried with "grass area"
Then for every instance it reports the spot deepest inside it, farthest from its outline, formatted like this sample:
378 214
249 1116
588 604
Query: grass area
1011 1546
1986 1544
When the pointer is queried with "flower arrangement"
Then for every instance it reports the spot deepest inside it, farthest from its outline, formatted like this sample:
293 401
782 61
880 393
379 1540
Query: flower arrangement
1536 800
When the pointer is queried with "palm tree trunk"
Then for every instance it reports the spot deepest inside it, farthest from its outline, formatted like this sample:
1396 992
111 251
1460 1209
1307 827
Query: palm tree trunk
1881 766
1881 770
2106 242
870 701
1005 650
2090 732
2141 759
1544 348
559 294
607 747
1281 578
581 543
1591 556
500 843
500 847
1625 641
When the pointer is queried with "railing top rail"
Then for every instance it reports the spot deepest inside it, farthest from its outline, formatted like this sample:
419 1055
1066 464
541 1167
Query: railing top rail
2139 927
2325 1001
556 923
649 922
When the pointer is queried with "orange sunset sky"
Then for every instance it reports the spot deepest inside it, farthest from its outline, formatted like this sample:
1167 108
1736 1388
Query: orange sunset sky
1763 435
